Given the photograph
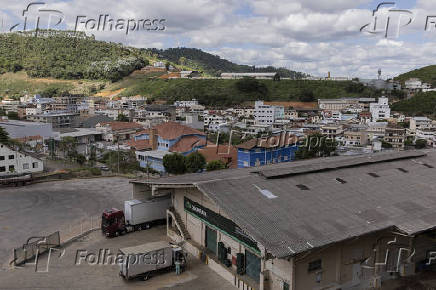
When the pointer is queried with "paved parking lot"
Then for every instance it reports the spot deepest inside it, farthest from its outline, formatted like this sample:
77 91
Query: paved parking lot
63 273
44 208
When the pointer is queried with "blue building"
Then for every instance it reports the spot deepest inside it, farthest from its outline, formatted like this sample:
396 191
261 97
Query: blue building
263 151
166 138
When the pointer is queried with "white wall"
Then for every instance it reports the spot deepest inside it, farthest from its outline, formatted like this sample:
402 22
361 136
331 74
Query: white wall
18 162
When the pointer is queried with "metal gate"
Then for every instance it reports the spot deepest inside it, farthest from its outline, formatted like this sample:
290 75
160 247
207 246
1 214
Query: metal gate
211 240
35 246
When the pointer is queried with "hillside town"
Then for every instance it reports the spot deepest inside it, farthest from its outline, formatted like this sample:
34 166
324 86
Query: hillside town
218 145
232 136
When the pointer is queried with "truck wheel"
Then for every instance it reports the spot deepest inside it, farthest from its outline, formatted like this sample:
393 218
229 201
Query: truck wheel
147 226
146 277
117 234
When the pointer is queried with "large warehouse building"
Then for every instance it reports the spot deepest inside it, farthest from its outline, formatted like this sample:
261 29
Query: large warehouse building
331 223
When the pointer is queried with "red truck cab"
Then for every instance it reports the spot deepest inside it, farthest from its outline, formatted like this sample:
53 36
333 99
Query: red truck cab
113 222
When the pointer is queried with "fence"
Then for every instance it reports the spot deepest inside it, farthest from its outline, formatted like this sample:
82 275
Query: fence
79 228
38 246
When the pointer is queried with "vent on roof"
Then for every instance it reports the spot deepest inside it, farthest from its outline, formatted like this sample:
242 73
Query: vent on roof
403 170
428 165
375 175
340 180
302 187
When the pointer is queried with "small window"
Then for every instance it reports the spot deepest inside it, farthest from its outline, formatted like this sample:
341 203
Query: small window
375 175
26 166
11 168
35 164
2 168
11 157
2 158
315 265
340 180
302 187
403 170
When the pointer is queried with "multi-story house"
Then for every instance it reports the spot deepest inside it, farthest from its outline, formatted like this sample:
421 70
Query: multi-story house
380 110
113 131
267 114
57 119
355 138
395 135
332 131
165 138
16 162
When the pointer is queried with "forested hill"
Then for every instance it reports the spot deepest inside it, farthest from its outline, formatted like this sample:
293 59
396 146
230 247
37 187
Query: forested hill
426 74
65 57
213 64
73 55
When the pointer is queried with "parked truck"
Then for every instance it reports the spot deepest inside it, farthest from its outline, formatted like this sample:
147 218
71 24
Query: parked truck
137 215
146 260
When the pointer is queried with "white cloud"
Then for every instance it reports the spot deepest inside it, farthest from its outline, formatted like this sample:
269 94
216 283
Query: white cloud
314 36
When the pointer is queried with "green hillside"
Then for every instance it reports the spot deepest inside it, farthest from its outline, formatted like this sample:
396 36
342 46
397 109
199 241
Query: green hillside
426 74
65 57
213 64
422 104
216 92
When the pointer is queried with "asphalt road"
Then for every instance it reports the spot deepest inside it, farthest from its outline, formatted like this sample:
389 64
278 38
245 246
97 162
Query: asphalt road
44 208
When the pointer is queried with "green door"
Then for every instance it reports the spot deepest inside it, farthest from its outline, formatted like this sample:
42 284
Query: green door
211 240
252 265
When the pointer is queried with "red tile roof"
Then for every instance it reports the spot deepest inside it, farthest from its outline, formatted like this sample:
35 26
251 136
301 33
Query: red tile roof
211 153
139 144
172 130
187 143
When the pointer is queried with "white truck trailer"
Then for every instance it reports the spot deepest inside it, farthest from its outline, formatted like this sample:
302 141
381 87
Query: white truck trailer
149 259
137 215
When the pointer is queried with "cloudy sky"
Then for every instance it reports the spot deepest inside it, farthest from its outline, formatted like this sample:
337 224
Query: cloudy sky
313 36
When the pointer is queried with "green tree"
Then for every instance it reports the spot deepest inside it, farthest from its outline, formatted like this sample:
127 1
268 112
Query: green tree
215 165
81 159
195 162
4 136
122 118
167 65
306 96
68 146
13 115
386 145
420 144
175 163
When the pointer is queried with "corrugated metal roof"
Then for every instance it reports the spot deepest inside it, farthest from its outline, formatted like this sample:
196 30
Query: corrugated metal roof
328 211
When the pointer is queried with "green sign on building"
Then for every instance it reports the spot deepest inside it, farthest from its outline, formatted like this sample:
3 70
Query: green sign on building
221 223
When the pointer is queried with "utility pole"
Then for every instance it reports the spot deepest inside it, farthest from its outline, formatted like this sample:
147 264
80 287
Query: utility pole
118 143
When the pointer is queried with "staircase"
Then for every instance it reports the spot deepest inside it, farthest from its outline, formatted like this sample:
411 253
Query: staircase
179 224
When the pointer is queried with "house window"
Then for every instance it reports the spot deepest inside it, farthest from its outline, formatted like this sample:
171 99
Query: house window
2 168
285 286
315 265
11 157
35 164
11 168
26 166
2 158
